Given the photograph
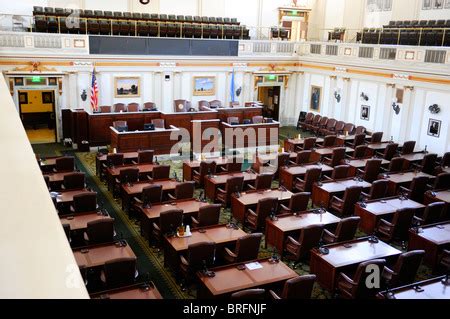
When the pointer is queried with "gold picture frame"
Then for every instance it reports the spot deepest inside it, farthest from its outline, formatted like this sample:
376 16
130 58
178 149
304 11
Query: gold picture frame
315 102
125 87
204 85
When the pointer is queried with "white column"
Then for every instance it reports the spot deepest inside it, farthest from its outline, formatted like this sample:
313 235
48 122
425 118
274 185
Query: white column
157 80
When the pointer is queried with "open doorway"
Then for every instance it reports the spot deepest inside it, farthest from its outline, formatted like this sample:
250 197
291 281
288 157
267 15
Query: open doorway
37 112
270 97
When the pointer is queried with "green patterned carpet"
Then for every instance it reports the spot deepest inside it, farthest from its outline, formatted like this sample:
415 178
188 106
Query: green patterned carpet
150 261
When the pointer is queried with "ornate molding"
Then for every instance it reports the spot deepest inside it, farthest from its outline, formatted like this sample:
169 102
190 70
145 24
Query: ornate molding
34 67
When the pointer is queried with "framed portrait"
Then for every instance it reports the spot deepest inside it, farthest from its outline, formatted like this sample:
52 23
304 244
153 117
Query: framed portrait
127 87
18 81
434 128
438 4
47 97
316 98
426 4
204 85
52 81
365 112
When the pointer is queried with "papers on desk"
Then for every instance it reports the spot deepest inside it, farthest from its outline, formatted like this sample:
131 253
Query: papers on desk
253 266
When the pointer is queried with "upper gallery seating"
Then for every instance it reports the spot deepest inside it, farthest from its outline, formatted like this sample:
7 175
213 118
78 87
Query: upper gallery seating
336 34
424 33
58 20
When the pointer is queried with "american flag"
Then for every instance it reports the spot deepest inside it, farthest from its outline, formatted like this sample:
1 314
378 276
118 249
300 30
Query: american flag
94 92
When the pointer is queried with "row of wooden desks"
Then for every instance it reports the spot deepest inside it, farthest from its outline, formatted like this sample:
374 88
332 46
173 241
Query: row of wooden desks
345 257
128 158
319 153
134 292
323 193
356 164
78 222
288 175
233 278
278 230
113 172
376 210
437 196
216 181
433 239
190 166
434 288
402 179
96 256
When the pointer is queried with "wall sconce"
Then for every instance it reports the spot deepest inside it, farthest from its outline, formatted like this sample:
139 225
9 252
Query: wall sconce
364 96
409 88
83 96
434 109
337 95
390 85
144 1
395 106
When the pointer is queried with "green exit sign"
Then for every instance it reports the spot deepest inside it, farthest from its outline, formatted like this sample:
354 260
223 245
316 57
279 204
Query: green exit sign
36 79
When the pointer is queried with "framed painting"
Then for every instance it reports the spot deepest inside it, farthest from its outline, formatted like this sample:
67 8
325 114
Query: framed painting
204 86
316 98
127 87
365 112
434 128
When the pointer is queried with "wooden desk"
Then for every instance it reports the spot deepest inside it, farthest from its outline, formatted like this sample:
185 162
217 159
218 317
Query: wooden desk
96 256
114 172
48 164
135 190
376 210
128 158
215 181
433 239
230 279
324 193
412 158
372 148
432 289
134 292
78 222
341 140
319 153
401 179
64 199
290 225
221 235
289 174
441 196
190 207
291 144
56 180
249 135
242 113
248 200
190 166
341 259
361 164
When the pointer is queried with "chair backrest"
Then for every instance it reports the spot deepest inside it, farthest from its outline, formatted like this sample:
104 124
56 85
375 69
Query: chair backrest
258 119
429 163
406 267
309 238
202 104
396 165
346 229
349 128
215 103
442 181
379 189
264 207
338 156
303 157
351 197
149 106
376 137
161 172
299 287
360 151
390 151
65 164
120 272
119 107
129 175
170 220
283 159
402 221
247 247
312 175
105 109
309 117
86 202
323 121
233 166
372 170
115 159
408 147
446 160
159 123
133 107
152 194
185 190
74 181
299 202
249 294
264 181
331 125
360 130
329 141
234 184
418 187
118 124
434 213
209 215
232 119
309 143
340 172
145 157
100 231
359 140
361 289
200 255
181 105
207 168
316 119
339 127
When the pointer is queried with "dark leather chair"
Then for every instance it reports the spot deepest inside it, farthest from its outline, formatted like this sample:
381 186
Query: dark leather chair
312 175
297 204
182 105
119 107
207 216
398 227
314 123
345 231
168 222
356 287
74 181
396 165
434 213
408 147
256 220
119 272
249 294
150 195
232 167
149 106
303 157
338 129
112 160
346 205
198 256
299 249
328 141
308 121
159 123
105 109
376 137
86 202
330 128
308 144
416 189
202 104
360 152
349 128
378 190
359 140
337 157
389 151
340 172
321 125
145 157
233 185
444 262
161 172
360 130
296 288
205 169
126 175
371 171
405 269
446 160
133 107
99 231
263 181
183 191
247 248
65 164
428 164
442 181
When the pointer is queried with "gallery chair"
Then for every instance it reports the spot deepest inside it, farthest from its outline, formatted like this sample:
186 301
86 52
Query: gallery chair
416 189
262 182
74 181
255 220
247 248
296 288
404 270
168 222
99 231
321 125
64 164
149 106
303 157
371 171
299 249
298 203
207 216
205 169
86 202
345 206
249 294
398 227
312 175
198 256
345 231
233 185
119 272
378 190
434 213
329 129
183 191
161 172
360 130
308 120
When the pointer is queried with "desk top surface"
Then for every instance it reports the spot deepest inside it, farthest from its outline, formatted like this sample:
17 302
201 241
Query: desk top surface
405 177
391 205
290 222
301 170
301 141
341 185
58 177
413 157
252 198
143 168
359 163
80 220
329 150
438 234
443 195
126 155
98 255
222 178
136 188
188 206
68 196
139 291
218 160
432 289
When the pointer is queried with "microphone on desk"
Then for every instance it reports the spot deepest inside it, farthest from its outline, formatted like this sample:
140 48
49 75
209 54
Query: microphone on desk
122 242
156 160
238 194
